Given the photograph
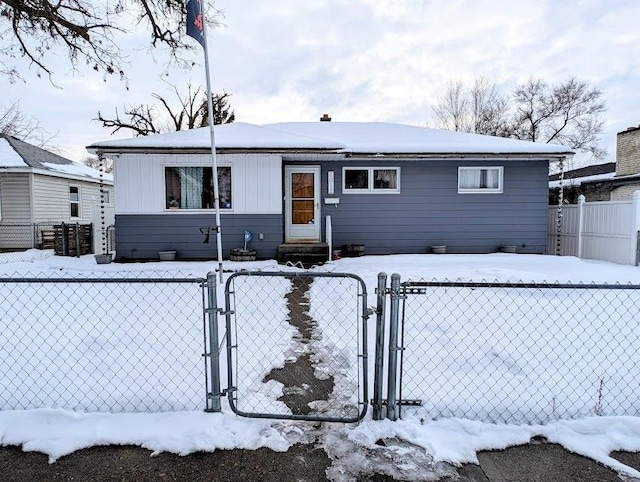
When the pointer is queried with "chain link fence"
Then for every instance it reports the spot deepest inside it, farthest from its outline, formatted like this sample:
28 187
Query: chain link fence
297 345
518 353
65 239
17 237
294 346
116 345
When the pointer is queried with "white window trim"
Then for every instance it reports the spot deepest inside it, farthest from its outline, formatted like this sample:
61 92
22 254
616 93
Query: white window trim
196 211
106 193
79 188
371 189
499 190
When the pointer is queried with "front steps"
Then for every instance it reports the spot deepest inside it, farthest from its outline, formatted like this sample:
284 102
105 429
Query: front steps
308 254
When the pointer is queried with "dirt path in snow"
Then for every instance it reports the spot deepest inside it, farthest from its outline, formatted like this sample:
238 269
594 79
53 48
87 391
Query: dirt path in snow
301 385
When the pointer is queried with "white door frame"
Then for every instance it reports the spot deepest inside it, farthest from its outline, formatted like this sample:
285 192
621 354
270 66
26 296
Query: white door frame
302 232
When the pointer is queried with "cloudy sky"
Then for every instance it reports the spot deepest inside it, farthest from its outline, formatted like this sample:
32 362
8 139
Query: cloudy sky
363 60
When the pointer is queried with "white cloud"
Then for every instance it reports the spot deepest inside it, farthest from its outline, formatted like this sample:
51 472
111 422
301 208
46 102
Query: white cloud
286 60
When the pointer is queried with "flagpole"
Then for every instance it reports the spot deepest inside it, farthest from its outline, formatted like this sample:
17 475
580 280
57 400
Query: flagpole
214 161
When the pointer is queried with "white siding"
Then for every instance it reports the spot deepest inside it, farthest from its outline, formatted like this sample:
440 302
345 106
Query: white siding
256 181
15 202
51 199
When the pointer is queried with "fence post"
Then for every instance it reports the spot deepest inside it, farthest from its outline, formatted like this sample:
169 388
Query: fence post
213 396
77 239
379 355
64 234
581 200
394 312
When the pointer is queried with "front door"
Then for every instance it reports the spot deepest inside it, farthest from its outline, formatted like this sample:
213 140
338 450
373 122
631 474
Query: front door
302 203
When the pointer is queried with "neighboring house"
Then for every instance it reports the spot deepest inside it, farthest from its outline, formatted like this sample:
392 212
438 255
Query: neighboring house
593 182
613 181
40 189
392 188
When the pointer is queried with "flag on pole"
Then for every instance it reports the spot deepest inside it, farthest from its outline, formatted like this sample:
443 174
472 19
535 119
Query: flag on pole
196 29
194 20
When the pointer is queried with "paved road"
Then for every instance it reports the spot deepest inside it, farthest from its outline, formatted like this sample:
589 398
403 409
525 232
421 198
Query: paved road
534 462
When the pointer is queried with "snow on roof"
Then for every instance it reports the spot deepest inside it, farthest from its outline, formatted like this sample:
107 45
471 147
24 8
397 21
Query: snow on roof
15 153
77 169
8 156
382 137
237 135
578 181
355 137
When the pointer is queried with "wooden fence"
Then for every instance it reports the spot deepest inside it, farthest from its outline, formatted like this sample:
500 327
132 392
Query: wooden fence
604 230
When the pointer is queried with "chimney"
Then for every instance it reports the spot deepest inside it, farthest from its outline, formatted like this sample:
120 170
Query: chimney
325 118
628 152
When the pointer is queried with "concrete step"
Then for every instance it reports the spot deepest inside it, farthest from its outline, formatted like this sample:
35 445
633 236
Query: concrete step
309 254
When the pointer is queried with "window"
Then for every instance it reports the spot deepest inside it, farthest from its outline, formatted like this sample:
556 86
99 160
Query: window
192 187
480 179
106 196
74 201
370 180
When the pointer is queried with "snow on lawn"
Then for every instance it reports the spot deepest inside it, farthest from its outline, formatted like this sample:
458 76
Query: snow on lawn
57 432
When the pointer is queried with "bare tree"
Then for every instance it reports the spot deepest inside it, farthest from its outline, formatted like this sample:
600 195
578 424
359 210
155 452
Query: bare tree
452 111
567 113
480 109
14 122
88 31
191 111
489 109
94 162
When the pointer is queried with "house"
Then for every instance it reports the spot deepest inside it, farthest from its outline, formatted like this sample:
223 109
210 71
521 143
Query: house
40 190
592 181
613 181
389 187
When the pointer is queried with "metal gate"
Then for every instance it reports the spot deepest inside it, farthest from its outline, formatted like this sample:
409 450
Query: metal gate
296 345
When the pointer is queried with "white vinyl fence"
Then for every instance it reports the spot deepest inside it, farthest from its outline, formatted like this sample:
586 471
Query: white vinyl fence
604 230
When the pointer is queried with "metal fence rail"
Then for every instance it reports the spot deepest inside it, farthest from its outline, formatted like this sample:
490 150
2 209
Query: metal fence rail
118 345
297 345
518 353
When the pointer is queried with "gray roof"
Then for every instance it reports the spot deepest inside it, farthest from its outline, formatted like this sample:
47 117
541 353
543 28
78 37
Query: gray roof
592 170
34 156
17 154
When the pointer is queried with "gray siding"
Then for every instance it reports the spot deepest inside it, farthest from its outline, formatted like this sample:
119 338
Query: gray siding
427 211
16 198
141 236
430 211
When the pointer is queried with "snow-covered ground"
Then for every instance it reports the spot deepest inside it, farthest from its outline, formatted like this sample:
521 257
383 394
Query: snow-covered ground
423 442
